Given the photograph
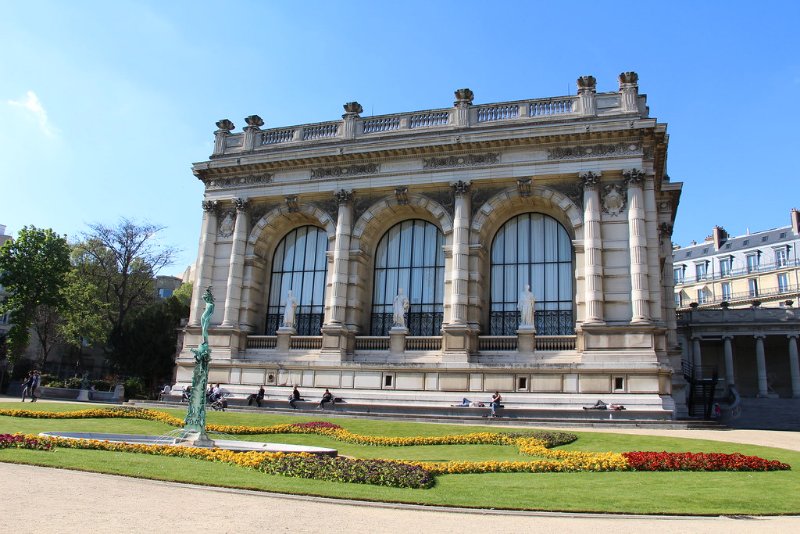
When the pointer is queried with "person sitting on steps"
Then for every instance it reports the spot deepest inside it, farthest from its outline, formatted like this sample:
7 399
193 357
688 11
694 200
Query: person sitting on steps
326 397
294 397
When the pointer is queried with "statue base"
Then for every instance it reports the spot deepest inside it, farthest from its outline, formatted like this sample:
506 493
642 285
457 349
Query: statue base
526 339
197 439
83 395
397 339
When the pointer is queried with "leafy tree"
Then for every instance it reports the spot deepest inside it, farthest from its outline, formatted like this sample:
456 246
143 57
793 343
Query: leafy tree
148 342
121 262
33 270
82 315
184 294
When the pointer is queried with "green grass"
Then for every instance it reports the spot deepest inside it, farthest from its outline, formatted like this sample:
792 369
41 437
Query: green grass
651 493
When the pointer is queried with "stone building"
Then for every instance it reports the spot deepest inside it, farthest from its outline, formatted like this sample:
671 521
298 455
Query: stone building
389 256
737 301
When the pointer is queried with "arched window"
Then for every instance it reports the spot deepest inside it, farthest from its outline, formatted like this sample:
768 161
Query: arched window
299 265
409 257
532 249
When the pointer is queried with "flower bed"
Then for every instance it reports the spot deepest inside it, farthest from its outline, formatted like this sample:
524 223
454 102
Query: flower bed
699 461
406 474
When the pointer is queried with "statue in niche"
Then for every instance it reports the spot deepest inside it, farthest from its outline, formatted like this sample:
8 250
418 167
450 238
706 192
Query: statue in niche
399 309
289 315
226 226
526 307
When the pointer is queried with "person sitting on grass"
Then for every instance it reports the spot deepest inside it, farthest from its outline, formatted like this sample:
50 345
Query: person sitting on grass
326 397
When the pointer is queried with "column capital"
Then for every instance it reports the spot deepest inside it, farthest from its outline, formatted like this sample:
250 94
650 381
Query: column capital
665 230
633 177
210 206
794 336
343 196
728 337
590 180
241 203
759 336
696 337
461 187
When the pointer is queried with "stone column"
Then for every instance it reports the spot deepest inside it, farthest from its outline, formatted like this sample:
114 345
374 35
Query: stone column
592 248
459 278
587 91
761 365
254 124
341 257
236 269
728 348
638 247
794 365
205 260
224 128
629 91
462 104
697 356
653 253
351 113
668 284
335 336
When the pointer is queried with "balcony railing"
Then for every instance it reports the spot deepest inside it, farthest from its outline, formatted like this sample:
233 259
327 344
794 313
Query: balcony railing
262 342
746 296
306 342
423 343
534 111
737 273
372 342
555 343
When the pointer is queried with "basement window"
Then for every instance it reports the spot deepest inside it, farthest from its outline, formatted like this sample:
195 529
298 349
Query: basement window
522 383
387 381
619 383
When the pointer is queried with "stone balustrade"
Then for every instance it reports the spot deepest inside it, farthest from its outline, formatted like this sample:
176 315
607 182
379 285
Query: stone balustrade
372 342
262 342
464 115
423 343
555 343
306 342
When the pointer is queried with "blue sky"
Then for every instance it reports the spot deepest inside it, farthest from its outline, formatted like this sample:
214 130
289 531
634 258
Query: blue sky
105 105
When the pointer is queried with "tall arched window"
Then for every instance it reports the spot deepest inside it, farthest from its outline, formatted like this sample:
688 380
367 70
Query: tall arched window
409 257
299 265
532 249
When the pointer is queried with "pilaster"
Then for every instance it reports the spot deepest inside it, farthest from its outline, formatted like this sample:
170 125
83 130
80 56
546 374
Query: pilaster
205 260
236 268
592 248
637 237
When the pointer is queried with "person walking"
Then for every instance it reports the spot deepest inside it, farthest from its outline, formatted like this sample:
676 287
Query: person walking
36 379
26 385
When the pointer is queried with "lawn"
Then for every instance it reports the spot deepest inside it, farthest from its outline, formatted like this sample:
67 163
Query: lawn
629 492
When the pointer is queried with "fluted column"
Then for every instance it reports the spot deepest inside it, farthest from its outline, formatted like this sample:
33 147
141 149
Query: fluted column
224 127
638 247
462 104
761 366
794 365
592 248
587 93
459 278
728 350
629 91
205 260
341 256
236 268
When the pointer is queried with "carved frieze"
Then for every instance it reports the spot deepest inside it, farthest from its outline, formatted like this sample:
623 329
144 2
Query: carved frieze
614 199
467 160
346 170
595 151
230 182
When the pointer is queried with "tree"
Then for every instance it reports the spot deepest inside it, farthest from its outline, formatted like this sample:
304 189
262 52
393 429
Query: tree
33 270
184 293
82 315
121 262
149 341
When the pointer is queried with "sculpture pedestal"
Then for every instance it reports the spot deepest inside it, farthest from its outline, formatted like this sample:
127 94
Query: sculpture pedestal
197 439
526 339
283 343
83 395
397 339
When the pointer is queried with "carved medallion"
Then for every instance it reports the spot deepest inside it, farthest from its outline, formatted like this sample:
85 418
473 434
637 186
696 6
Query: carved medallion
613 199
226 226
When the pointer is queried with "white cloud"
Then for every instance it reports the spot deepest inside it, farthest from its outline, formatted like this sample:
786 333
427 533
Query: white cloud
32 105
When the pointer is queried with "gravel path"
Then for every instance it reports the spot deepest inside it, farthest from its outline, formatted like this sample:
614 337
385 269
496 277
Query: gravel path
38 499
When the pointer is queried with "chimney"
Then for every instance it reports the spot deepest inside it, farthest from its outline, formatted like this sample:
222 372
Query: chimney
795 221
720 236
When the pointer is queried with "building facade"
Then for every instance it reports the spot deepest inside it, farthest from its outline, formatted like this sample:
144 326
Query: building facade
737 301
519 246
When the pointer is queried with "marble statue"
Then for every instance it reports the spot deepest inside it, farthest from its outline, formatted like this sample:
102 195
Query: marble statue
289 315
526 307
399 309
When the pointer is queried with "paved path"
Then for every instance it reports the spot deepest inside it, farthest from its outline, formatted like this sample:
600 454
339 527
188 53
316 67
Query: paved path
71 501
